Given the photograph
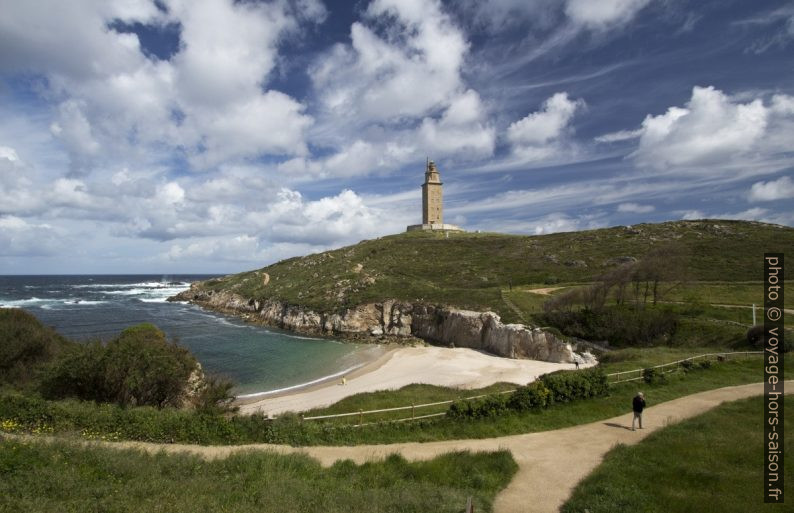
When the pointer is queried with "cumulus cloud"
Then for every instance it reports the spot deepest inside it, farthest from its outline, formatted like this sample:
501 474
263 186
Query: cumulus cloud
239 248
75 131
290 225
635 208
713 128
18 192
19 237
782 188
344 217
395 93
603 13
555 222
379 75
210 100
692 215
751 214
462 129
8 154
620 135
538 135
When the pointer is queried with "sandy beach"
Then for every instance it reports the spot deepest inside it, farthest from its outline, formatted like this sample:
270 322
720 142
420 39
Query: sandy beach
459 367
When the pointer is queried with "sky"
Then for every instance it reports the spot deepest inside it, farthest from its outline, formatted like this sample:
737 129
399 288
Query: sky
216 136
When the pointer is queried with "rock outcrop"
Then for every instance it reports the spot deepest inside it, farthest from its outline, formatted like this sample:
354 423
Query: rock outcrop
394 319
485 331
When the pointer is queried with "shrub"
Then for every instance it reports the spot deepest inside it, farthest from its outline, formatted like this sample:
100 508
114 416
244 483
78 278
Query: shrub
483 407
533 396
565 386
215 396
78 372
651 375
705 364
139 367
561 386
687 365
26 346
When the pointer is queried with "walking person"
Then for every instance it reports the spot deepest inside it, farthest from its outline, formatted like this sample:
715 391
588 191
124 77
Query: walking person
637 404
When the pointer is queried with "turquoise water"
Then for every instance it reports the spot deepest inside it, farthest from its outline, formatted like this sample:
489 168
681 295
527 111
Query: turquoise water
256 358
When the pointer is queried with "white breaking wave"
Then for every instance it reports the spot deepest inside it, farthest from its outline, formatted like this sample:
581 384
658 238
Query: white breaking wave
21 303
47 304
148 291
143 284
302 385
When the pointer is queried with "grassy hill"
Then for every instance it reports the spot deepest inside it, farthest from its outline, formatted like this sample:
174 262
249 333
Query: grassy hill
471 270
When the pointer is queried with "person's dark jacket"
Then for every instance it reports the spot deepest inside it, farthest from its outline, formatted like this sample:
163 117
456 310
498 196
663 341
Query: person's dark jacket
638 404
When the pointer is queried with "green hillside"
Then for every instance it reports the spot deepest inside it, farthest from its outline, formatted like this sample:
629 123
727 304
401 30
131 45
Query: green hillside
471 270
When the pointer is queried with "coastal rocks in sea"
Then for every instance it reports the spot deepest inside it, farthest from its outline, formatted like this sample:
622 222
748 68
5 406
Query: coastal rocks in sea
448 326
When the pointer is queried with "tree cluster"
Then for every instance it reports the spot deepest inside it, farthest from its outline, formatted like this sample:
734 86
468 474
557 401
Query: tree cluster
614 308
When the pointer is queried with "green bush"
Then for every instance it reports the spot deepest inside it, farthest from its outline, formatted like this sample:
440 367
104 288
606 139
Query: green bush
139 367
215 396
561 386
483 407
565 386
533 396
651 375
25 346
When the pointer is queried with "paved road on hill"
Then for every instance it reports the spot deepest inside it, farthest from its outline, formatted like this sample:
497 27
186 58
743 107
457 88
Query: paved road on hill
551 463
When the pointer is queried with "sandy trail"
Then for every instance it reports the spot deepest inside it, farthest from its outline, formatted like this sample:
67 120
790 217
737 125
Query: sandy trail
545 291
459 367
551 463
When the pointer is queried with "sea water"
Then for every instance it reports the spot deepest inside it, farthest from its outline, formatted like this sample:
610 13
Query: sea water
256 358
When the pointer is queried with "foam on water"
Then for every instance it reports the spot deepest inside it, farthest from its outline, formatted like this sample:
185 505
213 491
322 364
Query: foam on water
255 357
48 303
301 385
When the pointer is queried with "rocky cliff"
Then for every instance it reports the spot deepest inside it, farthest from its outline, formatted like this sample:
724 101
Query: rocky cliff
393 319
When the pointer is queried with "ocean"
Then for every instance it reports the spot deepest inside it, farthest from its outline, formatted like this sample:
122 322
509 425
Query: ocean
256 358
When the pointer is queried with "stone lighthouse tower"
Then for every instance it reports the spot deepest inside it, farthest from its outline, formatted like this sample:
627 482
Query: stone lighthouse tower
432 201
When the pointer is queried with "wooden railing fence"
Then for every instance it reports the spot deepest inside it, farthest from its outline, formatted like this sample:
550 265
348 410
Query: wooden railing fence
614 378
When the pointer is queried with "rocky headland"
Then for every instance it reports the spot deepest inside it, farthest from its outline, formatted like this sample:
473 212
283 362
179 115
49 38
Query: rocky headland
396 321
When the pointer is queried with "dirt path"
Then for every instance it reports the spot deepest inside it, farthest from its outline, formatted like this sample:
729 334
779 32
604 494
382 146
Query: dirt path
544 291
551 463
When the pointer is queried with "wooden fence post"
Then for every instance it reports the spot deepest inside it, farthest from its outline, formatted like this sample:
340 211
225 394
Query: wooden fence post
360 417
469 505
